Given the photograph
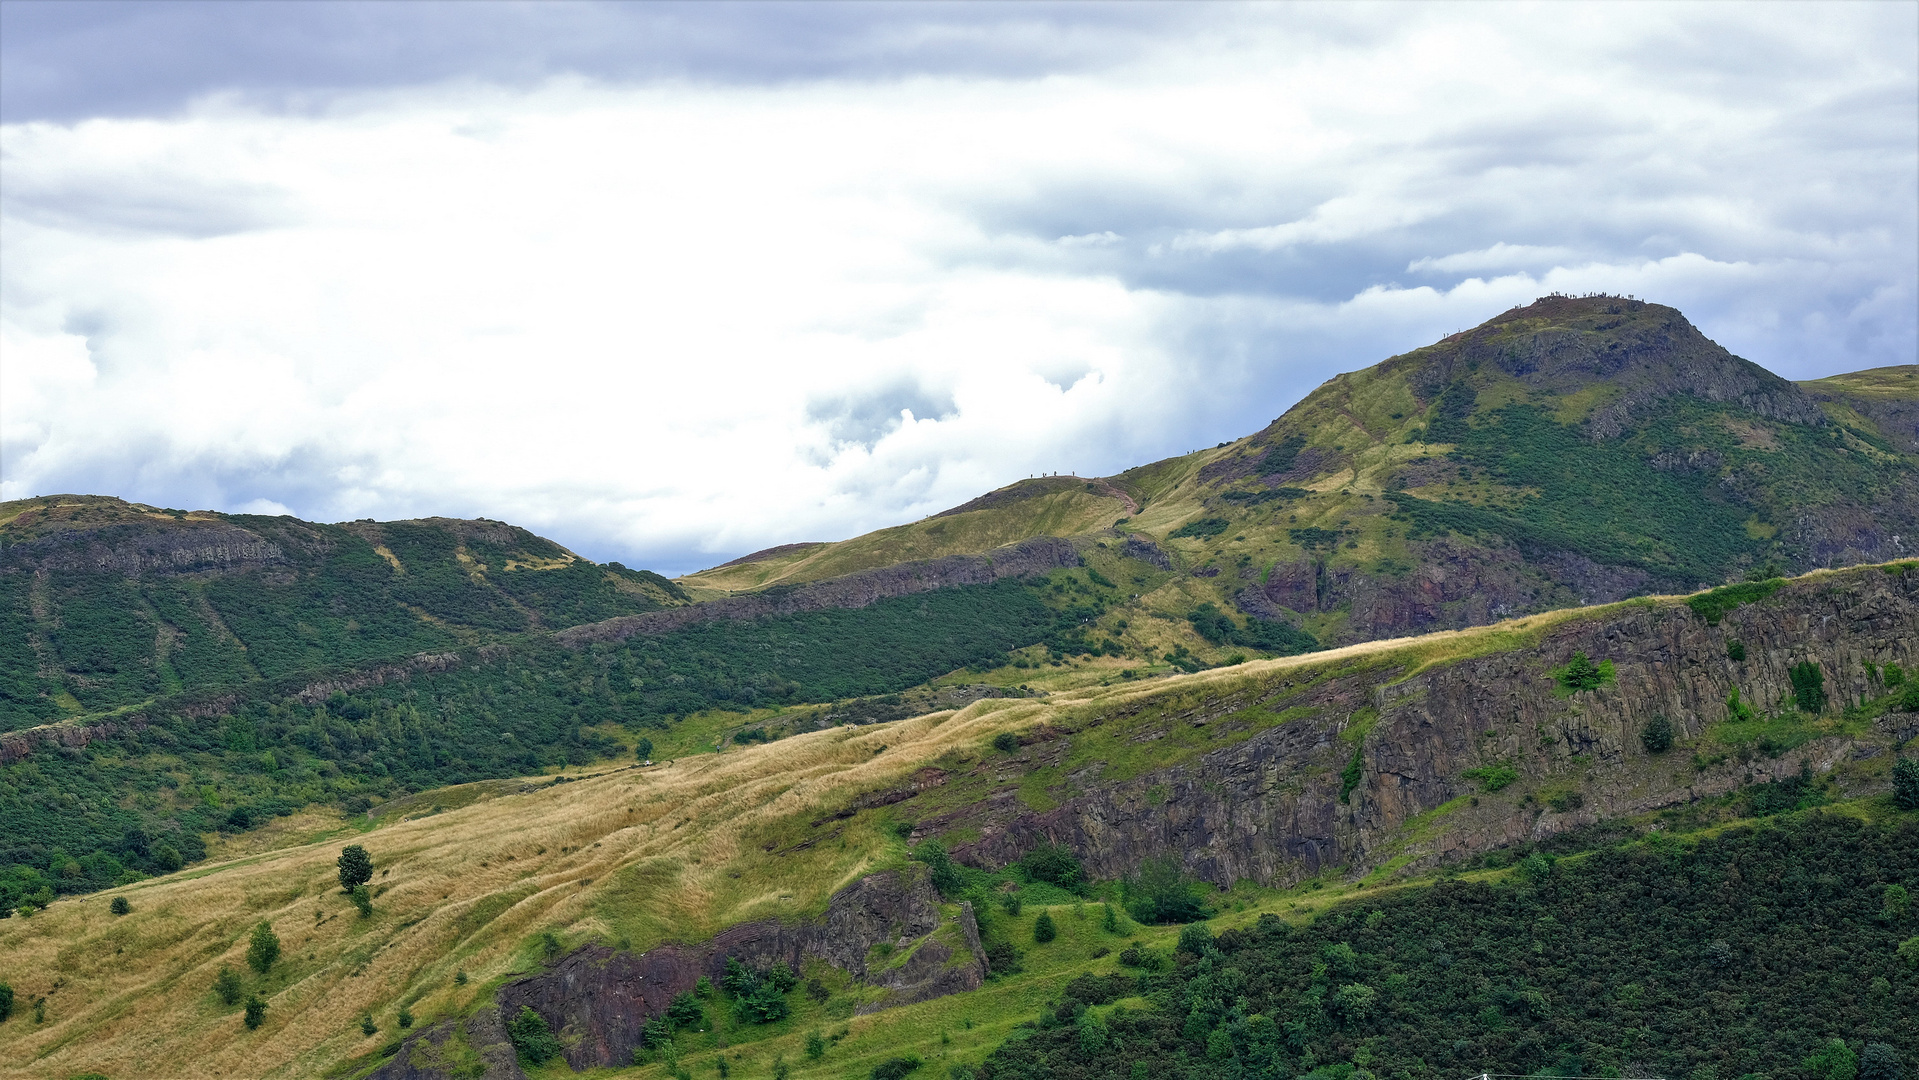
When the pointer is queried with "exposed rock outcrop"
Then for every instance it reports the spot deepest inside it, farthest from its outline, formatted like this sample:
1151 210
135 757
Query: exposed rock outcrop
598 999
1024 559
1269 808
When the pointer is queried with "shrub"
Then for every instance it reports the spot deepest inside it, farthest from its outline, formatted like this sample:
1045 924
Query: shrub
1905 784
1002 958
367 1026
1160 892
257 1012
6 1002
1011 903
815 1045
1492 778
1196 939
167 858
896 1068
405 1017
1909 697
643 750
1109 921
264 949
362 900
531 1038
356 867
1581 673
1656 736
1737 710
1006 742
120 906
1201 529
1054 864
1713 605
1894 677
1355 1001
1043 928
685 1012
1350 776
780 1068
1808 686
946 876
1736 650
459 977
227 985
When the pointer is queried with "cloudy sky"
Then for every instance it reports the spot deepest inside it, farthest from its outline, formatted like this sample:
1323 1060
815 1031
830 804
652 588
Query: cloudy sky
670 283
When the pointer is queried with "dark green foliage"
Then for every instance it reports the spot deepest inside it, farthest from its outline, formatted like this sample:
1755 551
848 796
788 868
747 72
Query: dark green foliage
1735 650
945 876
228 986
1312 537
1909 697
643 750
263 949
1448 423
815 1045
1832 1061
896 1068
758 997
1491 778
1196 939
356 867
6 1002
1894 676
1109 919
1350 776
531 1037
1656 736
1002 957
1879 1061
1160 892
1581 673
256 1013
1204 527
1010 903
1006 742
362 900
1713 604
1275 637
368 1027
120 906
1808 686
1905 783
1044 929
405 1017
1256 497
1605 499
684 1011
1280 456
1054 864
1798 792
1747 952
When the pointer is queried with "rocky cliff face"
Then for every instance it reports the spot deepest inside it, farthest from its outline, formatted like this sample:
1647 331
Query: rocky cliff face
599 999
1269 807
857 590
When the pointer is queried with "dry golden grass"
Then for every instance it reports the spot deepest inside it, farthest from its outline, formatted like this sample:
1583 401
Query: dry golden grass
633 856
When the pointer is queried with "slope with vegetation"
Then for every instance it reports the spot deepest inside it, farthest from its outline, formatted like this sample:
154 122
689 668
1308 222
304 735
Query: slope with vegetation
477 887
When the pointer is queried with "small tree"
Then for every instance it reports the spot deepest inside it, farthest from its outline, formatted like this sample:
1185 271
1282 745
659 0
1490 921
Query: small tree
362 900
946 877
120 906
643 750
1011 902
227 984
1110 921
1880 1062
1735 650
256 1012
405 1017
1832 1061
1905 784
1006 742
815 1045
1043 928
367 1026
1656 736
356 867
264 949
780 1068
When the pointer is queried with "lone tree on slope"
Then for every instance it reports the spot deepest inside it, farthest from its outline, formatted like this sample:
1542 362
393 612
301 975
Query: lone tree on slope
356 867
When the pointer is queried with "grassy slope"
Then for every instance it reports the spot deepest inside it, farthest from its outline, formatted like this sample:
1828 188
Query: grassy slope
1370 426
636 856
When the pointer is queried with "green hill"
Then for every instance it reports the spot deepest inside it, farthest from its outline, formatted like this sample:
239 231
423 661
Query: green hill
1577 450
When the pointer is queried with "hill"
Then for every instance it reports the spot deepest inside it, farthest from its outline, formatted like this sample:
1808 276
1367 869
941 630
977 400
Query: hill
1576 450
1312 792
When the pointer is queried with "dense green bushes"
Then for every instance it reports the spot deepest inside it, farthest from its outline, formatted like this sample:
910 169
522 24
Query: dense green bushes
1274 637
1744 954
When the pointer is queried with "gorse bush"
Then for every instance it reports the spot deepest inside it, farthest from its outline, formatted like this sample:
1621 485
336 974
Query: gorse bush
532 1039
256 1012
120 906
1808 686
1905 783
228 986
1624 956
1044 929
1656 736
1160 892
1581 673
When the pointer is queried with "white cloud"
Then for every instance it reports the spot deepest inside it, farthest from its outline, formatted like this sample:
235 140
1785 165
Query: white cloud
674 321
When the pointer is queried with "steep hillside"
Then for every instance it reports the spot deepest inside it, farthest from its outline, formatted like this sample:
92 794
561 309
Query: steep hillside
1330 772
105 603
1574 451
